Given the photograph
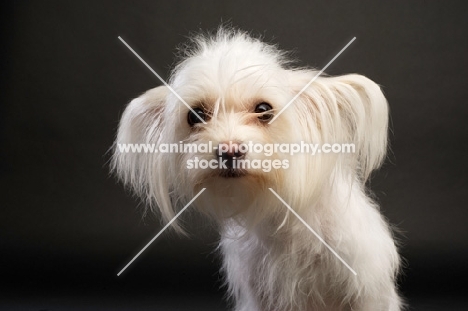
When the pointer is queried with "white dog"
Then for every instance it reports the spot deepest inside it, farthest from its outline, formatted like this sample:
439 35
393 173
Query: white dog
236 85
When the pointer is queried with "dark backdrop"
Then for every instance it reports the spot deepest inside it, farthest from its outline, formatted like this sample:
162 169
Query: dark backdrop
67 228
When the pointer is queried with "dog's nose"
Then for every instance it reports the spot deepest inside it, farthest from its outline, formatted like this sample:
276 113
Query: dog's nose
229 152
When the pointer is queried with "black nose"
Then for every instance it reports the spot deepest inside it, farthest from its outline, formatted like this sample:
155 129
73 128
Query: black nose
230 152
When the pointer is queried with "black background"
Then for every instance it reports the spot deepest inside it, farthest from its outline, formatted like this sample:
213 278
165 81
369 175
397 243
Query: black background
67 227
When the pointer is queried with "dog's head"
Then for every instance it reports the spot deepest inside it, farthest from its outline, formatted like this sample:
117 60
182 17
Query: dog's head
236 88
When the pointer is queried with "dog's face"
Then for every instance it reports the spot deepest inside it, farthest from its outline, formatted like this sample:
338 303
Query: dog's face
235 87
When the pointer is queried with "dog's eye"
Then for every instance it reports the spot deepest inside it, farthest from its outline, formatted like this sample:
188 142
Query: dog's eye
263 108
192 117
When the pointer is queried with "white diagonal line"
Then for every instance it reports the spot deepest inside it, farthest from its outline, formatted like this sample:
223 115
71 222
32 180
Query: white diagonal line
160 232
161 79
311 81
312 230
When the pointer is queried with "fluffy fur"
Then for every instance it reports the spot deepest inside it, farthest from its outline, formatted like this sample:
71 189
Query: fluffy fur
271 261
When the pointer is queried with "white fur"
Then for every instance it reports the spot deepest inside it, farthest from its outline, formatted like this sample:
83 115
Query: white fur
272 262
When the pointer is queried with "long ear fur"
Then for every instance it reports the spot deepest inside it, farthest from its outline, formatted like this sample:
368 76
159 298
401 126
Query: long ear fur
352 109
143 123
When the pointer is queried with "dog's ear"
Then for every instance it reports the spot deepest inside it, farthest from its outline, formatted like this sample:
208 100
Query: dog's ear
351 109
143 117
142 123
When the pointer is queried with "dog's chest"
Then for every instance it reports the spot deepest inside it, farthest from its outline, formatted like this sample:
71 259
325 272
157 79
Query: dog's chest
277 271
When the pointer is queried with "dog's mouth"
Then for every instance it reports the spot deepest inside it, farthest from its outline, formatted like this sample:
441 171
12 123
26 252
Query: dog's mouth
232 173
